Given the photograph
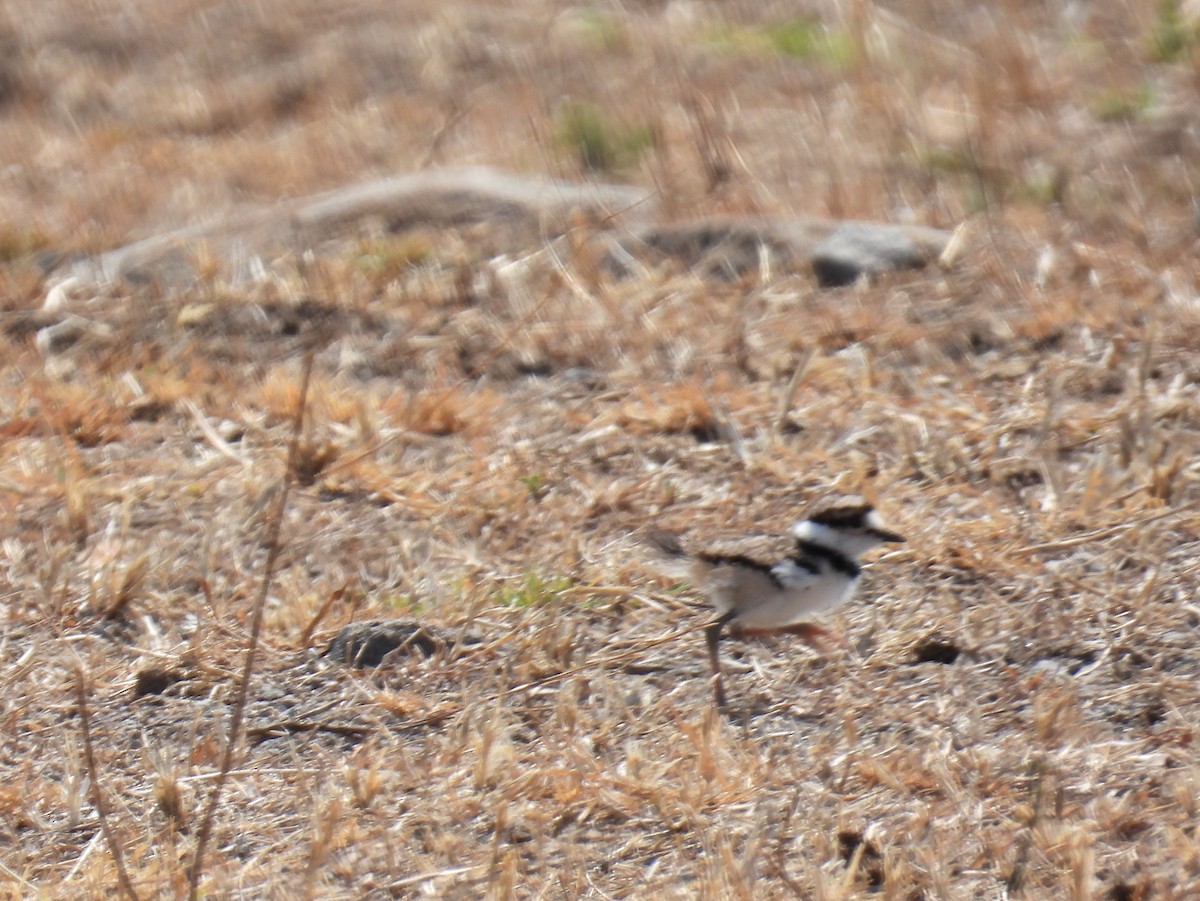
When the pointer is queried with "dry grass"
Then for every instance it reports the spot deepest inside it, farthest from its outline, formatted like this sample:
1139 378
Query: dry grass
483 439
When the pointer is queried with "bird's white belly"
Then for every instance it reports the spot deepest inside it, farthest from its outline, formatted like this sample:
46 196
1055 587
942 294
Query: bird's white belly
794 603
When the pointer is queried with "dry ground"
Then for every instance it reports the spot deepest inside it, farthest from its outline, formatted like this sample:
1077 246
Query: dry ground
1018 714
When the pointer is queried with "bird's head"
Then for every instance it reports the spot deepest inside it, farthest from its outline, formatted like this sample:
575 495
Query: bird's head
851 527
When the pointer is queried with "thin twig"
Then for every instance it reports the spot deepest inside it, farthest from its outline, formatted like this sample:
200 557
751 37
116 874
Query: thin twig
789 393
1016 877
1097 535
289 727
81 859
260 604
783 836
334 596
18 878
219 444
89 756
437 874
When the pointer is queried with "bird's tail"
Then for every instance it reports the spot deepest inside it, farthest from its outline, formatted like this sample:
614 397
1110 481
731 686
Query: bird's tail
666 542
673 559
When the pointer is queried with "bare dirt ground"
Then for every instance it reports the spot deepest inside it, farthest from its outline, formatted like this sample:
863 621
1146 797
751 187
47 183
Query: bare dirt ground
484 437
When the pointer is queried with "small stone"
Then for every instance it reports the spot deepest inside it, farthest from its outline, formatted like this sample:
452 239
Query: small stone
855 249
366 644
936 650
154 680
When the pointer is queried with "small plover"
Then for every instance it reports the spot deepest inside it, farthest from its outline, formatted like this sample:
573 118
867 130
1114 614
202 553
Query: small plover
776 592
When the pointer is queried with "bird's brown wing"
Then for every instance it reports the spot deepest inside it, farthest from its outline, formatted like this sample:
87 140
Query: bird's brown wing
764 550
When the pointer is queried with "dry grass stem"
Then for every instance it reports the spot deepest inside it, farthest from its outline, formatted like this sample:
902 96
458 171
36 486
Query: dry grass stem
237 712
107 829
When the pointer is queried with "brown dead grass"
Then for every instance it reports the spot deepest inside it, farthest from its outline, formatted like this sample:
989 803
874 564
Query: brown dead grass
485 439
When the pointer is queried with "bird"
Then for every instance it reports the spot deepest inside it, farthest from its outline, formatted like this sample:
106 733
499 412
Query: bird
776 590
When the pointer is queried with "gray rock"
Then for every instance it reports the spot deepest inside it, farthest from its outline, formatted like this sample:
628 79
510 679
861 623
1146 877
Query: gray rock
67 332
522 211
856 248
730 248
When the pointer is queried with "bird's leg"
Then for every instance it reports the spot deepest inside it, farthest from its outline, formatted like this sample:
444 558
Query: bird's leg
712 637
